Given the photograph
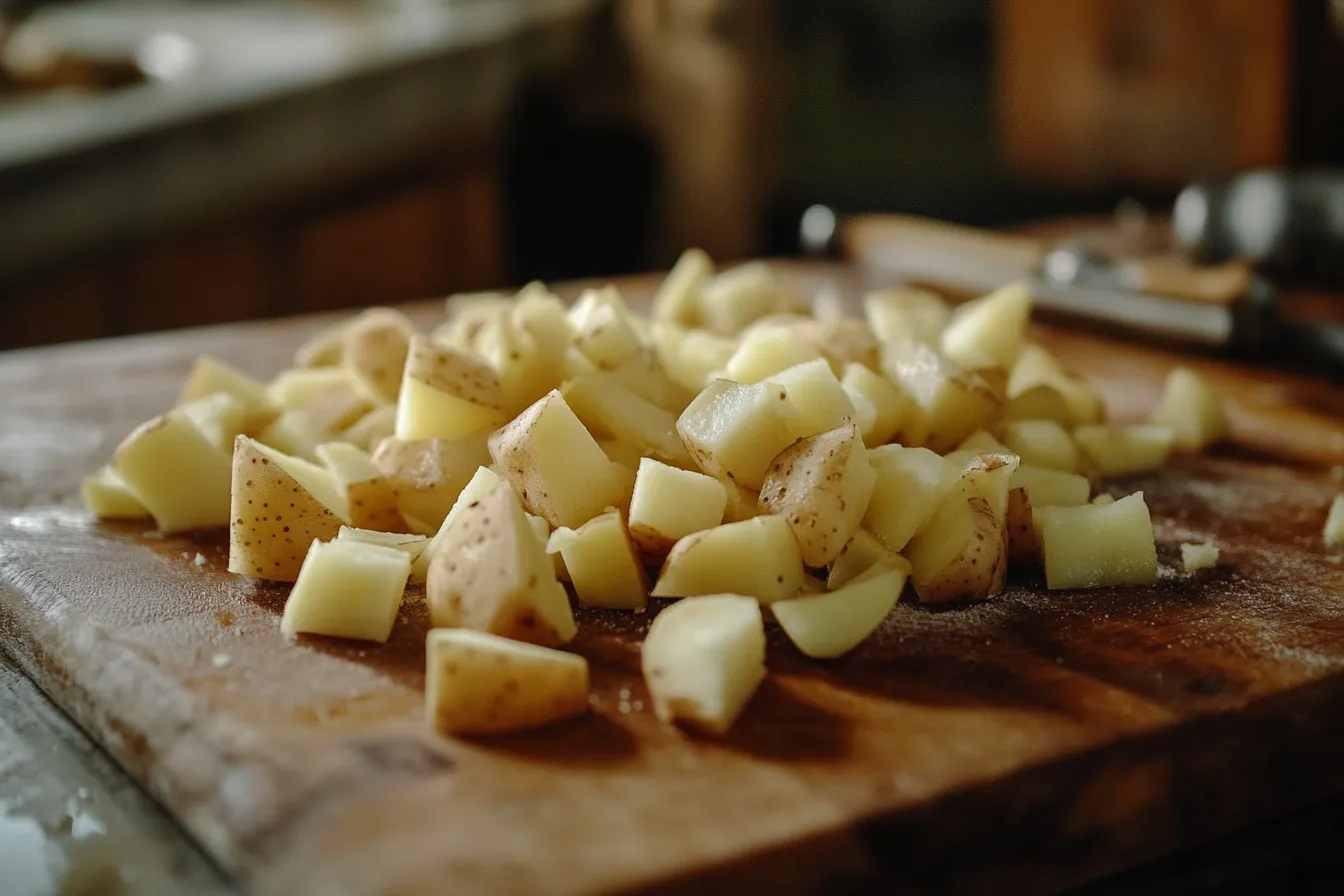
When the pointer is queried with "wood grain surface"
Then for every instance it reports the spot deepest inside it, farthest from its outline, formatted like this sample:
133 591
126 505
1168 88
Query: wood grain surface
1020 745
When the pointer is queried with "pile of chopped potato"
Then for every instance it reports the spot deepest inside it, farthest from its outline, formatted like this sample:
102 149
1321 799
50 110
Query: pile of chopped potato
733 448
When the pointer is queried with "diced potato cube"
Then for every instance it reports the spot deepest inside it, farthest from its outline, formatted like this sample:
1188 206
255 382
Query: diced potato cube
703 659
949 402
106 495
321 349
178 474
211 375
981 442
1192 410
220 417
413 546
691 357
428 474
1097 545
716 561
1037 369
1047 488
602 565
816 394
476 488
557 468
1041 443
297 387
888 401
864 551
599 400
1121 450
669 504
961 551
1334 524
479 683
372 428
368 499
989 331
821 486
908 485
606 336
765 351
832 624
733 431
446 393
1198 556
743 503
492 574
895 315
736 297
347 589
275 515
678 298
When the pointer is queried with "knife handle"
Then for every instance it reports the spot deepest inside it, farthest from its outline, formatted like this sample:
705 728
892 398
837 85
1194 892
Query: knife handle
950 255
1219 284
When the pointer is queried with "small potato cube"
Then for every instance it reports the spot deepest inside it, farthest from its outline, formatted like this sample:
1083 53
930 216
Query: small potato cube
600 401
678 298
766 351
842 341
669 504
743 503
299 386
368 498
888 401
1039 403
446 393
733 299
758 557
690 357
220 417
478 683
1334 524
1047 488
428 474
1037 369
1198 556
949 402
411 545
605 334
895 315
557 468
211 375
864 551
106 496
602 565
734 431
816 394
347 589
989 332
374 347
321 349
1041 443
275 516
703 659
1097 545
1121 450
372 428
821 485
476 488
828 625
1192 410
177 472
492 574
961 551
908 485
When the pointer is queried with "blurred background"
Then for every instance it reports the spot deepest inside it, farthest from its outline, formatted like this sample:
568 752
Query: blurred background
168 163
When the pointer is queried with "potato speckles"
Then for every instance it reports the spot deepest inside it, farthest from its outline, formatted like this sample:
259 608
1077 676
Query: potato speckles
814 483
260 541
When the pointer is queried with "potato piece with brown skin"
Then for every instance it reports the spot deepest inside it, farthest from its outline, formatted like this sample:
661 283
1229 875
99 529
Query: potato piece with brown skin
427 475
274 519
210 375
961 552
1022 545
446 393
734 431
821 485
492 574
374 347
949 402
1192 410
371 500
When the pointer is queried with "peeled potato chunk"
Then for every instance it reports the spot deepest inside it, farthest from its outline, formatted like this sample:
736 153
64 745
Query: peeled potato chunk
895 315
368 498
1097 545
731 300
886 399
599 400
1041 443
446 393
479 683
210 375
766 351
961 551
106 496
949 402
908 485
1192 410
476 488
817 395
347 589
601 563
428 474
1051 487
1334 524
1199 556
492 574
757 557
821 486
678 298
1121 450
413 546
703 658
733 430
864 551
989 331
178 474
828 625
669 503
1039 387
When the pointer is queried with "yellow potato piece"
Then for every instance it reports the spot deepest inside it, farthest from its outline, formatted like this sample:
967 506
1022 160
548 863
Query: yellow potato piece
909 483
757 557
1041 443
1334 524
1096 545
1192 410
106 495
176 472
446 393
347 589
669 503
1122 450
273 516
828 625
733 431
602 565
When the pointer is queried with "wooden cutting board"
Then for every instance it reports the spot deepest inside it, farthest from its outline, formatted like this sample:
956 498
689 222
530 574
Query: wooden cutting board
1019 745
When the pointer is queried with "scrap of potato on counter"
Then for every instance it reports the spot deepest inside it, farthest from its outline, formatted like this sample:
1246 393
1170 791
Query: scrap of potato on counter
733 451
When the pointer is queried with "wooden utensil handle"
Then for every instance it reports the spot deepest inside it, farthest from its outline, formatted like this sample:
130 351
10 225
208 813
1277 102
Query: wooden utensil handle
934 251
1219 284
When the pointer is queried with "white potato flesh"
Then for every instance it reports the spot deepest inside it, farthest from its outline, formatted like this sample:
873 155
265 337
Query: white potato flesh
908 485
480 484
821 485
816 394
1097 545
731 300
1195 557
429 474
477 683
210 375
1037 369
887 399
766 351
1334 524
446 393
691 357
895 315
602 565
981 442
949 402
555 465
669 504
743 503
757 557
1041 443
1122 450
678 298
491 574
297 387
176 472
733 430
372 428
413 546
703 659
347 589
599 400
605 336
220 417
831 624
961 551
1191 409
1046 487
321 349
526 371
106 496
864 551
989 331
274 516
373 348
368 499
627 454
841 340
